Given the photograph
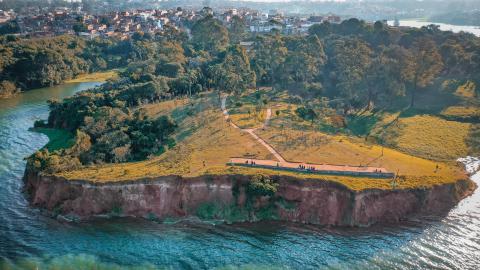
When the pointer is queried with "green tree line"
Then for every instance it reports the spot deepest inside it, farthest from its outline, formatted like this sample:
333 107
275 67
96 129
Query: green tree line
357 65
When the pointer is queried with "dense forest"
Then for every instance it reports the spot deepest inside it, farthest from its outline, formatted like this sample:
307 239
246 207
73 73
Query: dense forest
354 66
32 63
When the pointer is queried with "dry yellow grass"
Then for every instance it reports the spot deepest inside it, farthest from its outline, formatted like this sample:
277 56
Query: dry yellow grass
431 137
206 143
320 148
462 112
95 77
165 107
208 139
353 183
248 116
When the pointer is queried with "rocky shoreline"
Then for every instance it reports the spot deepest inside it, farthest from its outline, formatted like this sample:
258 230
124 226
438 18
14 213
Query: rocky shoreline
225 197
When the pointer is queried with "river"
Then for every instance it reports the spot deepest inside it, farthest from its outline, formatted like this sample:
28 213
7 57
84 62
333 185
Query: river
30 240
443 26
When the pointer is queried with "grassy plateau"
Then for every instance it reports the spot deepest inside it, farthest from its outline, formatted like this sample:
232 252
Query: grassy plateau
421 148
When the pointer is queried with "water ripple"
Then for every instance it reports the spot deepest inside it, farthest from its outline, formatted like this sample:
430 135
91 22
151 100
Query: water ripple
29 238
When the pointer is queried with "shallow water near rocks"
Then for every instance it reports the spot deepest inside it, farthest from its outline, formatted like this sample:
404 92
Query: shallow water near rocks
30 240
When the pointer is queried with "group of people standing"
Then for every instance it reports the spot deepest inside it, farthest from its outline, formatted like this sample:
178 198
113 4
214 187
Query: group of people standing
301 166
251 162
309 168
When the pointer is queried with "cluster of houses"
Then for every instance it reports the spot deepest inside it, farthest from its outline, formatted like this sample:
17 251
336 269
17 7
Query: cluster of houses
61 21
6 16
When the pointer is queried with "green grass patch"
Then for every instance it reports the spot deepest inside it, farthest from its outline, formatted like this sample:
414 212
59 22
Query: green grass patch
361 125
329 129
287 205
57 138
267 212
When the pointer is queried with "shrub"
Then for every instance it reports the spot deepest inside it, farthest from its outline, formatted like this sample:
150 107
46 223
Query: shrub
39 124
295 100
473 140
338 121
306 113
261 185
7 88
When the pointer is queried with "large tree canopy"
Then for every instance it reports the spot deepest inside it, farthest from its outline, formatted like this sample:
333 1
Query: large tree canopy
426 64
209 34
234 74
350 62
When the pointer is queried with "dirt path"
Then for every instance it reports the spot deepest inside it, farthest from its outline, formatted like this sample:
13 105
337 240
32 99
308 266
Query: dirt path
252 131
265 144
267 118
281 163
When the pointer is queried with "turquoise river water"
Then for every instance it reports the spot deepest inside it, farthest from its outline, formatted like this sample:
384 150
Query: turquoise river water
31 240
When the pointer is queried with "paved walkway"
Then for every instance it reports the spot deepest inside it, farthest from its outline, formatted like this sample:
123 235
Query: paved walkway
313 168
281 163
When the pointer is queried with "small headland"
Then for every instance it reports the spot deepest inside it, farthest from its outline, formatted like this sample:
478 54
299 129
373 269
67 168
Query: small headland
195 176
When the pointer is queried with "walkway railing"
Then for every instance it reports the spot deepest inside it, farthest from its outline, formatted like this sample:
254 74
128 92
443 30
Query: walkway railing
312 168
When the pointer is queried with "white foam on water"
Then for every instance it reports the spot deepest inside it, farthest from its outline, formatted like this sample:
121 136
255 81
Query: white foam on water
472 166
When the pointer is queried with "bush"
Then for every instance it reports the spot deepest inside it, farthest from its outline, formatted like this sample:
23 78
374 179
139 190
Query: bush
473 140
338 121
306 113
261 185
39 124
295 100
7 88
52 163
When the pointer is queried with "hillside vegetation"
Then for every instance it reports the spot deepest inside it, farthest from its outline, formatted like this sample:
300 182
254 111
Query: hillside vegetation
205 143
348 94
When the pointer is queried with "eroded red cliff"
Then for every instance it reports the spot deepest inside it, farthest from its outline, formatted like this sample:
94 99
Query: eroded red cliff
225 197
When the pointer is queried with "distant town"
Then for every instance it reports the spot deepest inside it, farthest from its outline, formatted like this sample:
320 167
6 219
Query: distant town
38 22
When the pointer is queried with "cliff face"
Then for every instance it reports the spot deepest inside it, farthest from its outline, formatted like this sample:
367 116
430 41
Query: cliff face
225 197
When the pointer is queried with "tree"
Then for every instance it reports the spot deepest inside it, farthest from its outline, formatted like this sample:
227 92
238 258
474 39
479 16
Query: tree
350 60
426 64
234 74
237 30
10 27
270 53
261 185
108 147
381 35
385 77
209 34
148 137
82 144
304 60
171 51
457 60
307 114
171 33
353 26
170 69
321 30
80 27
